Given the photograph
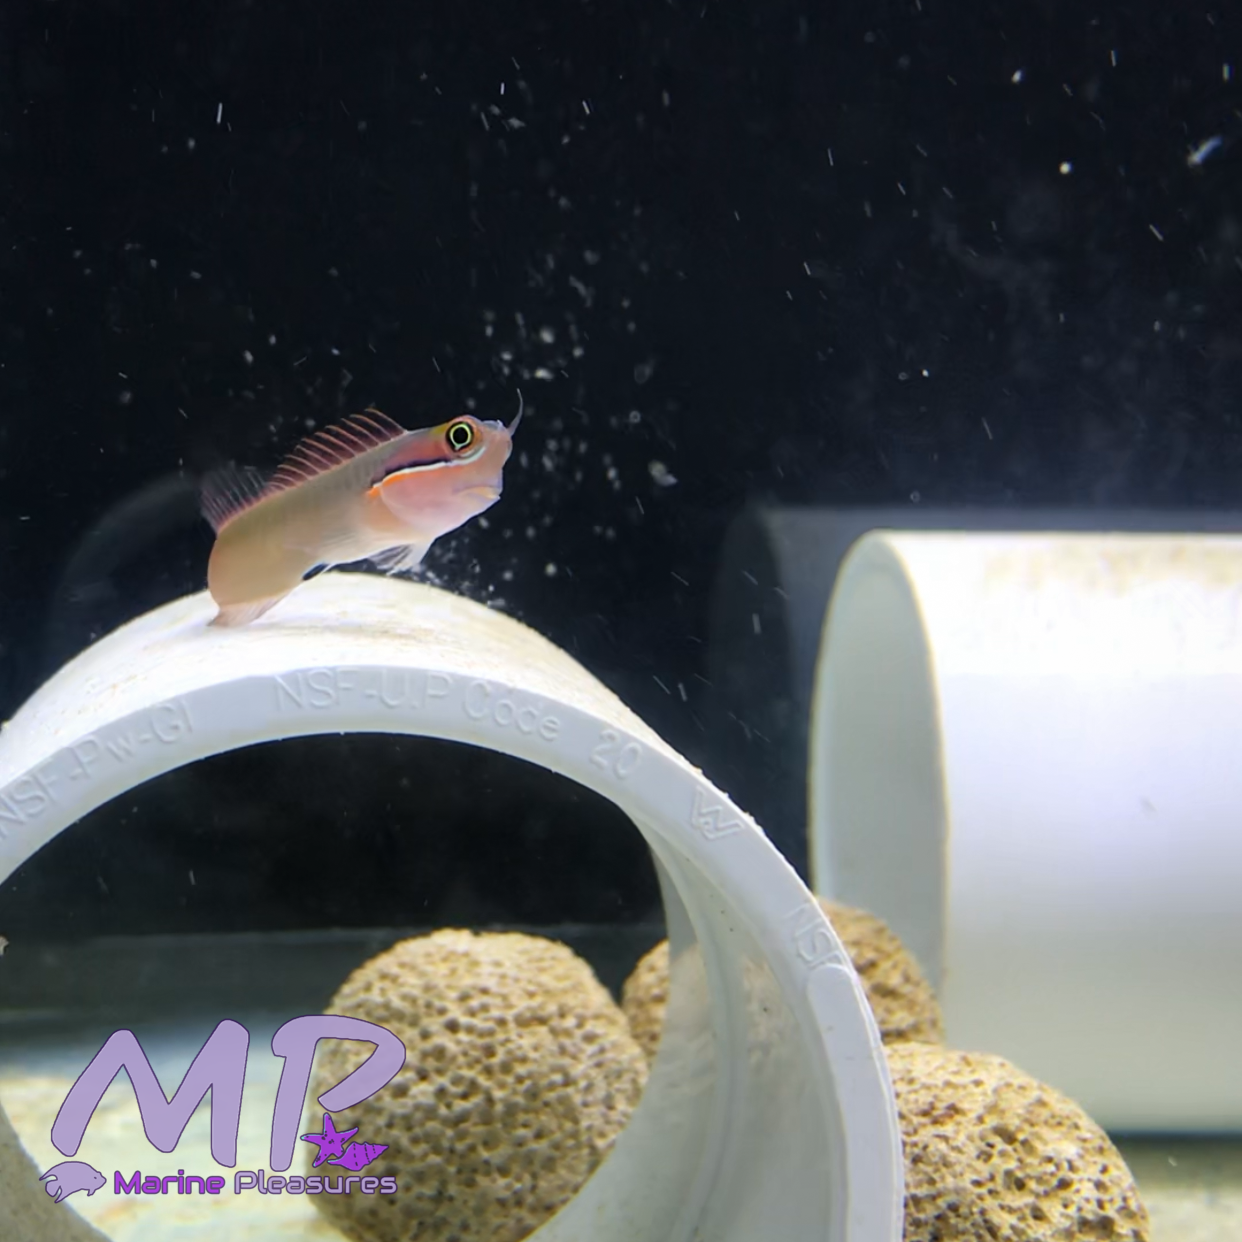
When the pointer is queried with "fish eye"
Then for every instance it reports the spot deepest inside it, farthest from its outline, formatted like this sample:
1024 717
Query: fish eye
460 436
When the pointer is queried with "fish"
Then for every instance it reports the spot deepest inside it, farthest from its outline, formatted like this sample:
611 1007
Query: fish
365 489
358 1155
70 1176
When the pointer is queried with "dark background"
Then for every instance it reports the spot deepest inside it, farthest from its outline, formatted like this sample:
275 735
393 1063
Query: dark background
886 253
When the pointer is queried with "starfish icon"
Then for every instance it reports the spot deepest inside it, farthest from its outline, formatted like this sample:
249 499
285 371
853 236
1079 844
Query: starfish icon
331 1141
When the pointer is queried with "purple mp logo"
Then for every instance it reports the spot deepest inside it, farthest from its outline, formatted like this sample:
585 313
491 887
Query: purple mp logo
220 1067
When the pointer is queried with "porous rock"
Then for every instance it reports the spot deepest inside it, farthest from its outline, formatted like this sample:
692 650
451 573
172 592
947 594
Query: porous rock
900 996
27 1212
521 1071
992 1155
644 998
904 1005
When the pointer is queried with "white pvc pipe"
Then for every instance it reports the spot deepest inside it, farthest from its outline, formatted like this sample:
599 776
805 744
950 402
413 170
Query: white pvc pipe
768 1111
1026 755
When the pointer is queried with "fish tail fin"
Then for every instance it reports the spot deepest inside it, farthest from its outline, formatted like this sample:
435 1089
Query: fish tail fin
243 614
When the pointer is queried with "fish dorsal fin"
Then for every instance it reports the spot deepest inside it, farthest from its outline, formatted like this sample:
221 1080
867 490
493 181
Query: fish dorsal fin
334 446
229 490
233 489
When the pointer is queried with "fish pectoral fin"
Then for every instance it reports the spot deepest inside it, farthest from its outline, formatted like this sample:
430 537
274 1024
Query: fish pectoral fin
400 559
335 546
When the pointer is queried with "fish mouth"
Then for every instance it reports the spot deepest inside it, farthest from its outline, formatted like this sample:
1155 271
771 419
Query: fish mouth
483 491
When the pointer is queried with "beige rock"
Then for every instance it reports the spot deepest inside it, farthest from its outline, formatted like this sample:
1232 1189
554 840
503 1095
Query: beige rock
27 1211
992 1155
644 998
902 1000
521 1072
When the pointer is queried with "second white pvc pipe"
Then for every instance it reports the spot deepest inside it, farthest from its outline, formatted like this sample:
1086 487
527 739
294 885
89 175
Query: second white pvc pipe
1026 755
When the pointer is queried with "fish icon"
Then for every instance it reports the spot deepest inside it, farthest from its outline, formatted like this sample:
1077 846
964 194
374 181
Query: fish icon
70 1176
358 1155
